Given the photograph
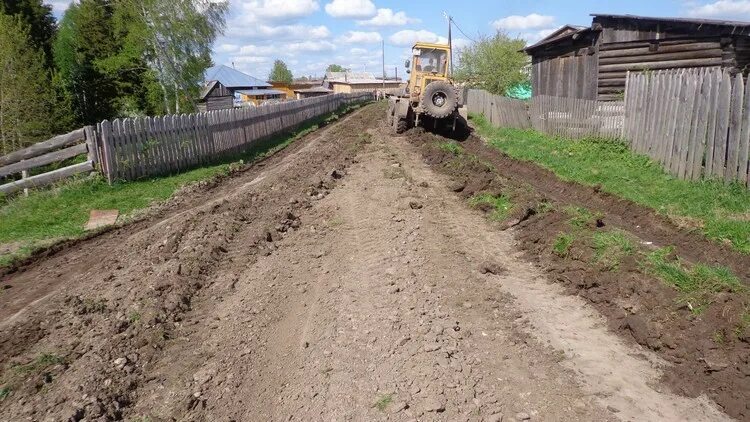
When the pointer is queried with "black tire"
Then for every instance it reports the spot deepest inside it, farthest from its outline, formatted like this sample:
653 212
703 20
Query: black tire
401 126
439 99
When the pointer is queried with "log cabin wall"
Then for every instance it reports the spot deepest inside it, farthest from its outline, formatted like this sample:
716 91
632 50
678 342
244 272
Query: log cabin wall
635 44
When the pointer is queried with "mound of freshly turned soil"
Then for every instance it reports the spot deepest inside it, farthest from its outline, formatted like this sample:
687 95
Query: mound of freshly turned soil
709 352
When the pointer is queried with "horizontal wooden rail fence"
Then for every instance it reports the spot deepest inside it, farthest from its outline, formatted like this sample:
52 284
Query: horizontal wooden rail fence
152 146
695 122
55 150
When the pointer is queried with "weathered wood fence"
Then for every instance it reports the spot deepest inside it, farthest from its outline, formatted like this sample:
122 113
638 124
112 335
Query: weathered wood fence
128 149
152 146
695 122
58 149
556 116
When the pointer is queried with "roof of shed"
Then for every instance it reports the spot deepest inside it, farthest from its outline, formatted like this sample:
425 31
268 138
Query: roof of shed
675 20
314 89
232 78
566 31
207 89
259 92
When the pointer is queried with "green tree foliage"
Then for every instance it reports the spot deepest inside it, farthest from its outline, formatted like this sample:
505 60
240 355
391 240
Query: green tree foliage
280 73
494 64
176 36
38 18
85 39
336 68
24 87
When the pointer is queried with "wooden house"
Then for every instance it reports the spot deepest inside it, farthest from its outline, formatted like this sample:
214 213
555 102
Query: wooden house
349 82
592 62
243 89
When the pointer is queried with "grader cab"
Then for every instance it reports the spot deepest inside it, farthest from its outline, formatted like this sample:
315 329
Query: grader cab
430 98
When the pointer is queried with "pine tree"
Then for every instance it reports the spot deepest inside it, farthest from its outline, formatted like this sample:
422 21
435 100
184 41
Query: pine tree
36 16
24 87
280 73
84 40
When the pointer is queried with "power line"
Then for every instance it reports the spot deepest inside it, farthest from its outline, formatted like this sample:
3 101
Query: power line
462 31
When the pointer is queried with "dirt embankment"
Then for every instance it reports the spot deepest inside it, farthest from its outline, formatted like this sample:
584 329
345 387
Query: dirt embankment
708 348
81 329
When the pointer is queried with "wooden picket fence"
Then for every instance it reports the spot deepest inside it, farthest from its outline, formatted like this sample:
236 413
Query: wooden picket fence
500 111
129 149
152 146
556 116
695 122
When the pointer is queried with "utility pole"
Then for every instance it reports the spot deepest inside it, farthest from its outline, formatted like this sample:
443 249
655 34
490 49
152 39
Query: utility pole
450 39
382 47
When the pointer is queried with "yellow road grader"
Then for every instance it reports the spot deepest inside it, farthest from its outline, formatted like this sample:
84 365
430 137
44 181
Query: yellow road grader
430 98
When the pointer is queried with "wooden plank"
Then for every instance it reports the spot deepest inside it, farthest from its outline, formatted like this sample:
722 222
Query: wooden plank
45 179
735 129
713 104
49 158
57 142
667 64
722 127
691 125
662 49
676 56
744 149
698 136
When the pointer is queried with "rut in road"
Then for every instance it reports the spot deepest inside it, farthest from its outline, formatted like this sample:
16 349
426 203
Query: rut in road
345 282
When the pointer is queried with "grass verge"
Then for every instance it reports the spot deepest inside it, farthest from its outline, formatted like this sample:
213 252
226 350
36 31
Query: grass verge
721 212
500 204
697 283
50 215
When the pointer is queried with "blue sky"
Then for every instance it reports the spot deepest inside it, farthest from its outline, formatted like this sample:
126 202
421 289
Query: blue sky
310 34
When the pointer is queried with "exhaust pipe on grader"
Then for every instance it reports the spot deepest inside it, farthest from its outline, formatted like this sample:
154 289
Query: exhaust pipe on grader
431 97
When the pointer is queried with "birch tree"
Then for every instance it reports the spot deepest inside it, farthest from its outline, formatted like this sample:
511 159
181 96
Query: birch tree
177 36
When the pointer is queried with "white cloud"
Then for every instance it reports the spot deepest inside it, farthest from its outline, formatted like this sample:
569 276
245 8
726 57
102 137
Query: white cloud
279 32
59 6
360 37
459 43
255 50
534 36
516 22
356 51
226 48
310 46
386 17
250 59
351 9
730 9
408 37
279 10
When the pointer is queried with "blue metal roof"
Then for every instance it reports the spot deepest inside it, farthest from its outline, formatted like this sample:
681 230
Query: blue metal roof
232 78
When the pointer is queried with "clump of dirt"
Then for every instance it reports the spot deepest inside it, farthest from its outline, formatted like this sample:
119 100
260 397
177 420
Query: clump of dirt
587 241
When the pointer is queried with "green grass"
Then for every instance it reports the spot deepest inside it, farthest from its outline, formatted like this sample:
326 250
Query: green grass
562 244
697 283
40 363
721 212
49 215
500 204
451 147
383 402
611 247
581 217
4 392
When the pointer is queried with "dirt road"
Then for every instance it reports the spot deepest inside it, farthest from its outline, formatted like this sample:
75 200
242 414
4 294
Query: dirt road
342 279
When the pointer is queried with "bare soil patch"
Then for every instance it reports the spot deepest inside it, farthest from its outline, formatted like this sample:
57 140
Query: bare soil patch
709 352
